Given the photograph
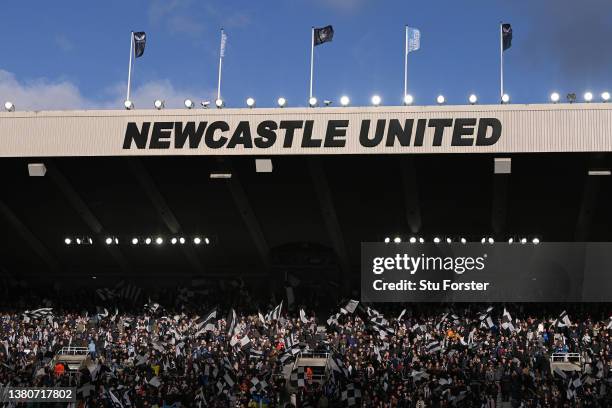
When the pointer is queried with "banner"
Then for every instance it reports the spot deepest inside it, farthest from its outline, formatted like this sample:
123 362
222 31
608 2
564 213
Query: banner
309 131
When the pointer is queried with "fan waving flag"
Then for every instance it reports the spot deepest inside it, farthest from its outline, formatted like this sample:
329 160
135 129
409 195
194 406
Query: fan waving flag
413 39
323 35
506 36
140 40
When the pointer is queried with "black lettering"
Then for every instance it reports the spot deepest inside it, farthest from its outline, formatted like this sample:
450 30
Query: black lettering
188 133
364 140
266 131
483 126
463 127
161 131
419 135
396 131
307 140
210 135
242 135
439 125
139 137
335 134
290 126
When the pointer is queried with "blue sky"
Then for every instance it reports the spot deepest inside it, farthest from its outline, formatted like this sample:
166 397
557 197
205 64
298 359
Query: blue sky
74 54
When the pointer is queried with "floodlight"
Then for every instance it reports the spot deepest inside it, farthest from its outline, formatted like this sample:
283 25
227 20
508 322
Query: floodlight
463 240
68 241
408 99
397 240
219 103
189 104
147 240
159 240
605 96
182 240
491 241
387 240
312 101
473 99
206 240
109 241
440 99
505 98
535 241
250 102
173 241
344 100
9 106
376 100
134 241
436 240
282 102
421 240
159 104
554 97
128 105
449 240
588 96
413 240
523 240
197 240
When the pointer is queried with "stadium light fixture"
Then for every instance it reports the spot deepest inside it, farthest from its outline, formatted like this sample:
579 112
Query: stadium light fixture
78 241
159 104
421 240
505 98
523 241
483 240
205 104
387 240
206 241
148 241
463 241
436 240
408 99
510 240
197 240
605 96
376 100
491 241
449 240
535 241
554 97
440 99
159 240
9 106
588 96
67 241
412 240
181 240
250 102
473 99
282 102
108 240
189 103
129 105
134 241
219 103
173 241
397 240
344 100
312 102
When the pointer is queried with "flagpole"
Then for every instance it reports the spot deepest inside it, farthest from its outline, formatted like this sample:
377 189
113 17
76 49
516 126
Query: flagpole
220 65
311 61
130 66
406 64
501 60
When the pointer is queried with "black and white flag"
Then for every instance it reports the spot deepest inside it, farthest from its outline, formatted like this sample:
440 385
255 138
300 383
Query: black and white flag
140 40
323 34
350 307
507 321
563 320
303 317
433 347
351 395
275 314
506 36
232 321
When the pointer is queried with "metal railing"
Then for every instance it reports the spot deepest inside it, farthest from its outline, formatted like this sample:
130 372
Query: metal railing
566 358
73 351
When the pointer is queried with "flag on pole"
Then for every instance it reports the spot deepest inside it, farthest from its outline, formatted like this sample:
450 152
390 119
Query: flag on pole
223 41
506 36
323 35
140 40
413 39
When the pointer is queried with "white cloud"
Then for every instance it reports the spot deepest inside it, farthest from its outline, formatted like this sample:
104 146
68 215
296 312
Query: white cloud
43 94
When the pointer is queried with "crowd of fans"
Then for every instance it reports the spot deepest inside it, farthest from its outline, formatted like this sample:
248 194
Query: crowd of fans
180 354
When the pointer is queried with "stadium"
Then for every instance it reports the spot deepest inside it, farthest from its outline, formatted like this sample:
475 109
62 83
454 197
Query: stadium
331 254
